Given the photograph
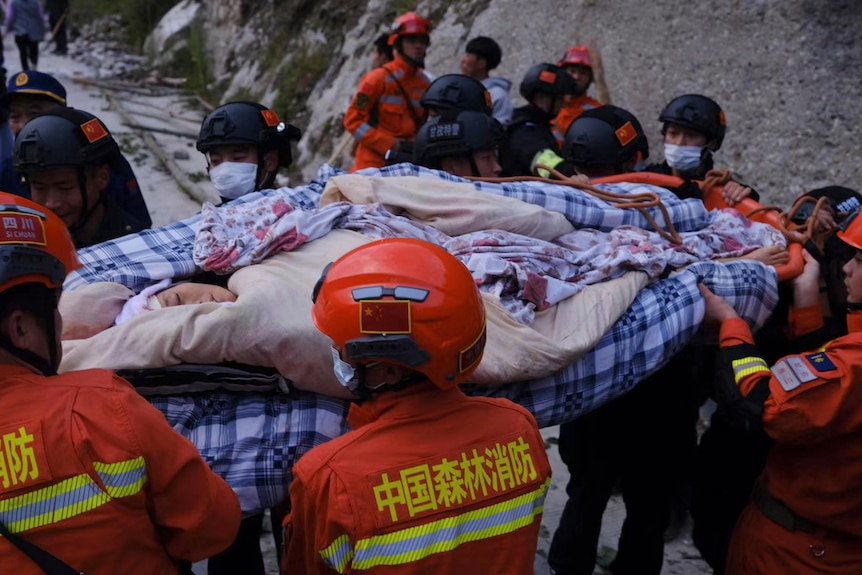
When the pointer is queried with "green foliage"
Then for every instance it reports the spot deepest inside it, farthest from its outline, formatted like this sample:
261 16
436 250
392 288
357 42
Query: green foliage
190 61
402 6
139 16
297 78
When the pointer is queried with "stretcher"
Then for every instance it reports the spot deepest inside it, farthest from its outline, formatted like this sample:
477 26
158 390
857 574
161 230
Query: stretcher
252 436
713 200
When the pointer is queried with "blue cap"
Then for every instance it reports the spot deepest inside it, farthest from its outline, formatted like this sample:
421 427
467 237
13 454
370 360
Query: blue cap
36 83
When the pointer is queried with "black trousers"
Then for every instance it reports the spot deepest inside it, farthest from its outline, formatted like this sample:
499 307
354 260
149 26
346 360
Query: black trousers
60 42
29 52
644 442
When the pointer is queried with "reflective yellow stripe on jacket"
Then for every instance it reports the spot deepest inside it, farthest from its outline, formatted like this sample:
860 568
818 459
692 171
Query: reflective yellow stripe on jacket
747 366
415 543
73 496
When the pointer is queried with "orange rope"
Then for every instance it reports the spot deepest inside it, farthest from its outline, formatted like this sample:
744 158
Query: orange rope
639 202
792 232
784 222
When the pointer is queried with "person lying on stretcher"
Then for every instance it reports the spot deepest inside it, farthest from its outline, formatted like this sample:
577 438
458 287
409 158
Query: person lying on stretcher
114 304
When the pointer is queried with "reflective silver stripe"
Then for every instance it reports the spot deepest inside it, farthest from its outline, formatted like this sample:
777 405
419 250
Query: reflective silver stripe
338 554
415 543
746 366
397 100
361 131
123 478
73 496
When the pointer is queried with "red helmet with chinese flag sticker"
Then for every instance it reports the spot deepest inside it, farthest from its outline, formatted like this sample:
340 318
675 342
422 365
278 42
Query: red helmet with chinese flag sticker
850 229
576 56
35 245
407 302
409 23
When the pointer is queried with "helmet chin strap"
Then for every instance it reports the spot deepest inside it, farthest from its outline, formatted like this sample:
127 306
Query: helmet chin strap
85 213
473 167
364 392
262 179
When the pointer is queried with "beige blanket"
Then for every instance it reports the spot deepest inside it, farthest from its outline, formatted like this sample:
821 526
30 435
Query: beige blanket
270 323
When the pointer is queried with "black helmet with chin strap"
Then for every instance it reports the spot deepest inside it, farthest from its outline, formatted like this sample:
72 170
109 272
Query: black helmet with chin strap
698 113
460 135
240 123
605 136
457 92
548 79
66 138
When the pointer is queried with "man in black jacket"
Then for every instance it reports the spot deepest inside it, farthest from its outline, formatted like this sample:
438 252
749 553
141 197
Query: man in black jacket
530 142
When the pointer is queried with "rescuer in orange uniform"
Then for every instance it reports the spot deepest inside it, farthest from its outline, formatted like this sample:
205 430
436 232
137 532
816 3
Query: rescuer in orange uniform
805 513
386 111
576 61
89 471
429 480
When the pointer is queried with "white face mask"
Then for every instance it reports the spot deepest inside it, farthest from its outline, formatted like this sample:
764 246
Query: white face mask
682 157
345 372
234 179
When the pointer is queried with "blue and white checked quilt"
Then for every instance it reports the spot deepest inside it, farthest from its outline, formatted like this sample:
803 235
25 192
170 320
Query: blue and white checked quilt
253 439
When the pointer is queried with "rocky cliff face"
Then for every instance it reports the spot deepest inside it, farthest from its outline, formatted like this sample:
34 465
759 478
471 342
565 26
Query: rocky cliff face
788 73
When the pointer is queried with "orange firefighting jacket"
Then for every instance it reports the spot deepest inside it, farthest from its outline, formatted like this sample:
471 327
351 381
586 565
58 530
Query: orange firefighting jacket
429 481
813 410
573 108
93 474
379 112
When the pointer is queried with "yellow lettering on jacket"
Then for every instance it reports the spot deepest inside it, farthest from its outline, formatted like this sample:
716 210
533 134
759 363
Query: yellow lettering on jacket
471 476
17 458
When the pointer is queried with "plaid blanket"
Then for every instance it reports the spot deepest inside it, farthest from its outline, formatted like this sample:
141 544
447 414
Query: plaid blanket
138 260
253 439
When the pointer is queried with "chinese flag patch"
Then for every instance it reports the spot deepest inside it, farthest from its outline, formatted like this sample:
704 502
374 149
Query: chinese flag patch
626 133
270 118
547 76
93 130
384 316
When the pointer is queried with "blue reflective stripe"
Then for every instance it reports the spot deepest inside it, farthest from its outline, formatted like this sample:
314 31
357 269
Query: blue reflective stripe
416 543
397 100
122 478
338 554
417 103
397 74
51 504
361 131
73 496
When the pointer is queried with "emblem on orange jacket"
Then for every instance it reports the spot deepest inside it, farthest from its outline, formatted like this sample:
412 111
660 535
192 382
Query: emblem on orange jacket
22 456
467 477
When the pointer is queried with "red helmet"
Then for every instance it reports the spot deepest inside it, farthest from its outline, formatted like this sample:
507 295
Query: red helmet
850 229
406 302
409 24
576 56
35 245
